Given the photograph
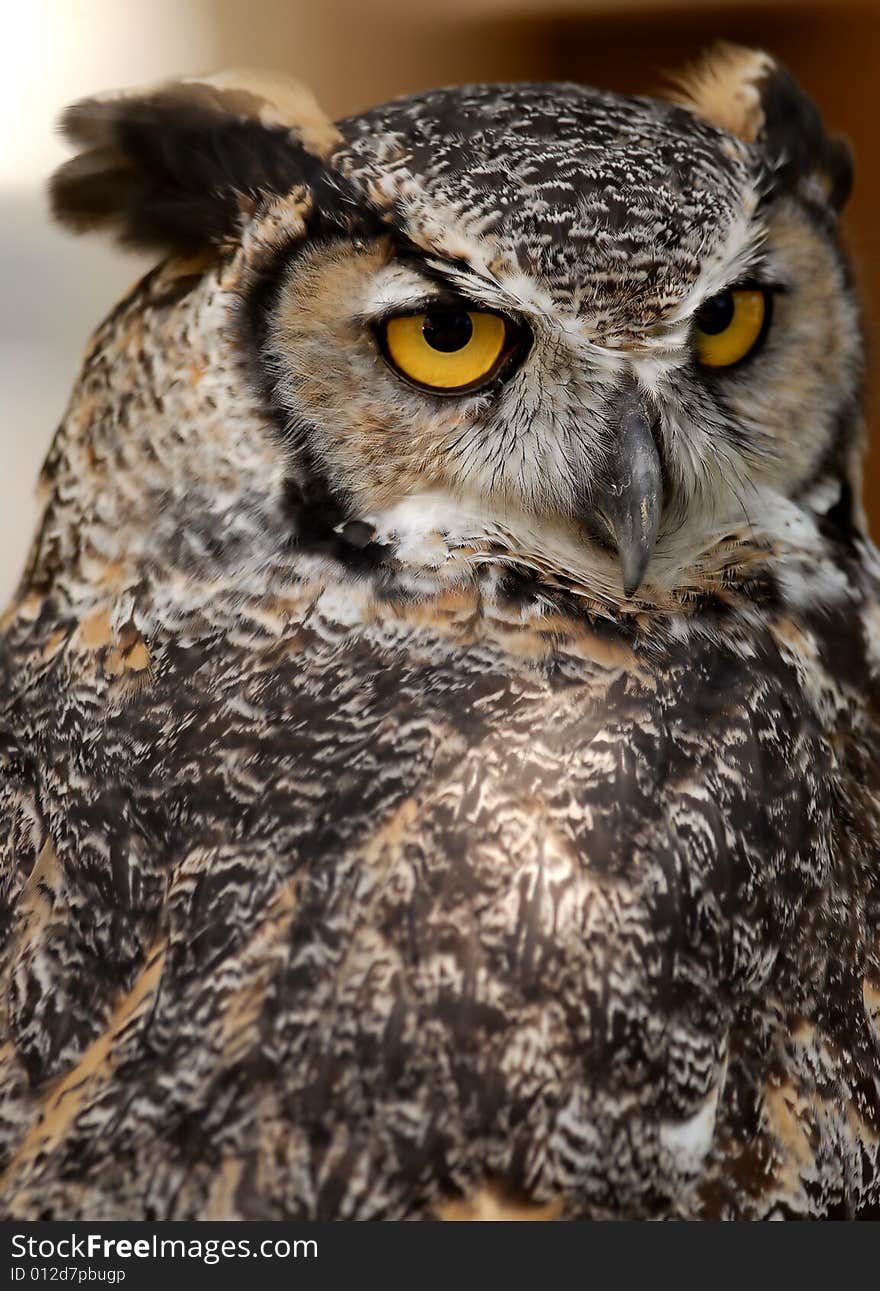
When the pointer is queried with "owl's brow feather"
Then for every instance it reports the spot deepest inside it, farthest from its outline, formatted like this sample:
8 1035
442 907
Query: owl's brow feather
453 274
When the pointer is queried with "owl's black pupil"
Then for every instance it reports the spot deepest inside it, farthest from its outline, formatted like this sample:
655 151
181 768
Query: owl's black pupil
717 314
447 330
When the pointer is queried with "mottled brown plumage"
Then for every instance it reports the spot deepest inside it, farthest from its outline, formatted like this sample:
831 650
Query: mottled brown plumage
367 850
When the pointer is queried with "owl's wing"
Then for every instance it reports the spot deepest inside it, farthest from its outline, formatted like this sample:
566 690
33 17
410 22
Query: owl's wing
26 880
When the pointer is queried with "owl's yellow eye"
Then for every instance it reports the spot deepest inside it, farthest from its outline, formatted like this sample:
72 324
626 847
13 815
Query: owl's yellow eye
446 350
731 325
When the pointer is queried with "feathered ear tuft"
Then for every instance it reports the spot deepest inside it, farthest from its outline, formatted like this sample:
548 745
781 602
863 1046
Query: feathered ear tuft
178 167
724 88
748 94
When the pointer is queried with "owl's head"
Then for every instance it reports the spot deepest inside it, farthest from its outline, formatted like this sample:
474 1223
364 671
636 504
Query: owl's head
607 339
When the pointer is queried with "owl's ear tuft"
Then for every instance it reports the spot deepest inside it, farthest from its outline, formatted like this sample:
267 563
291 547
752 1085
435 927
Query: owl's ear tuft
724 88
748 94
179 167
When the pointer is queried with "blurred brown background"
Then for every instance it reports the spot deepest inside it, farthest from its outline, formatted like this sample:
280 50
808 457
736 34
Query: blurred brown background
353 54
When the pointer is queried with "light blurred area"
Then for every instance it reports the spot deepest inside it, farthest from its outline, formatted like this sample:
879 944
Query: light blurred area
353 53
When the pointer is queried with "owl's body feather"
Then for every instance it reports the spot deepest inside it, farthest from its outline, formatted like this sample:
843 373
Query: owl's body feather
365 848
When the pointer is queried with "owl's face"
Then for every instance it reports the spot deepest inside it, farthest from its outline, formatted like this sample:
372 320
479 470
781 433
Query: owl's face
546 316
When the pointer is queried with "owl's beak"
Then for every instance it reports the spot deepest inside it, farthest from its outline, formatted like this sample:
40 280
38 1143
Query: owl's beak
630 493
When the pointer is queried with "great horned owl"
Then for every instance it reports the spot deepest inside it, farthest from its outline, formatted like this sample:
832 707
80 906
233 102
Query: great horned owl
440 712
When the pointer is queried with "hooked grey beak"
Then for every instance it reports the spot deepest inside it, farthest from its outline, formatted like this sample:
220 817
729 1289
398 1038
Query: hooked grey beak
630 491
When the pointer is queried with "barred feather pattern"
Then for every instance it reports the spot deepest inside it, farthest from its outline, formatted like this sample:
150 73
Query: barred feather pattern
328 894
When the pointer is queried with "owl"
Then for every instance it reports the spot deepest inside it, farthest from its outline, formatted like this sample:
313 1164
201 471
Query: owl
440 715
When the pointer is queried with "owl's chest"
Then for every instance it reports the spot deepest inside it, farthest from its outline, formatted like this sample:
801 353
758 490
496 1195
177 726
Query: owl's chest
437 903
412 759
